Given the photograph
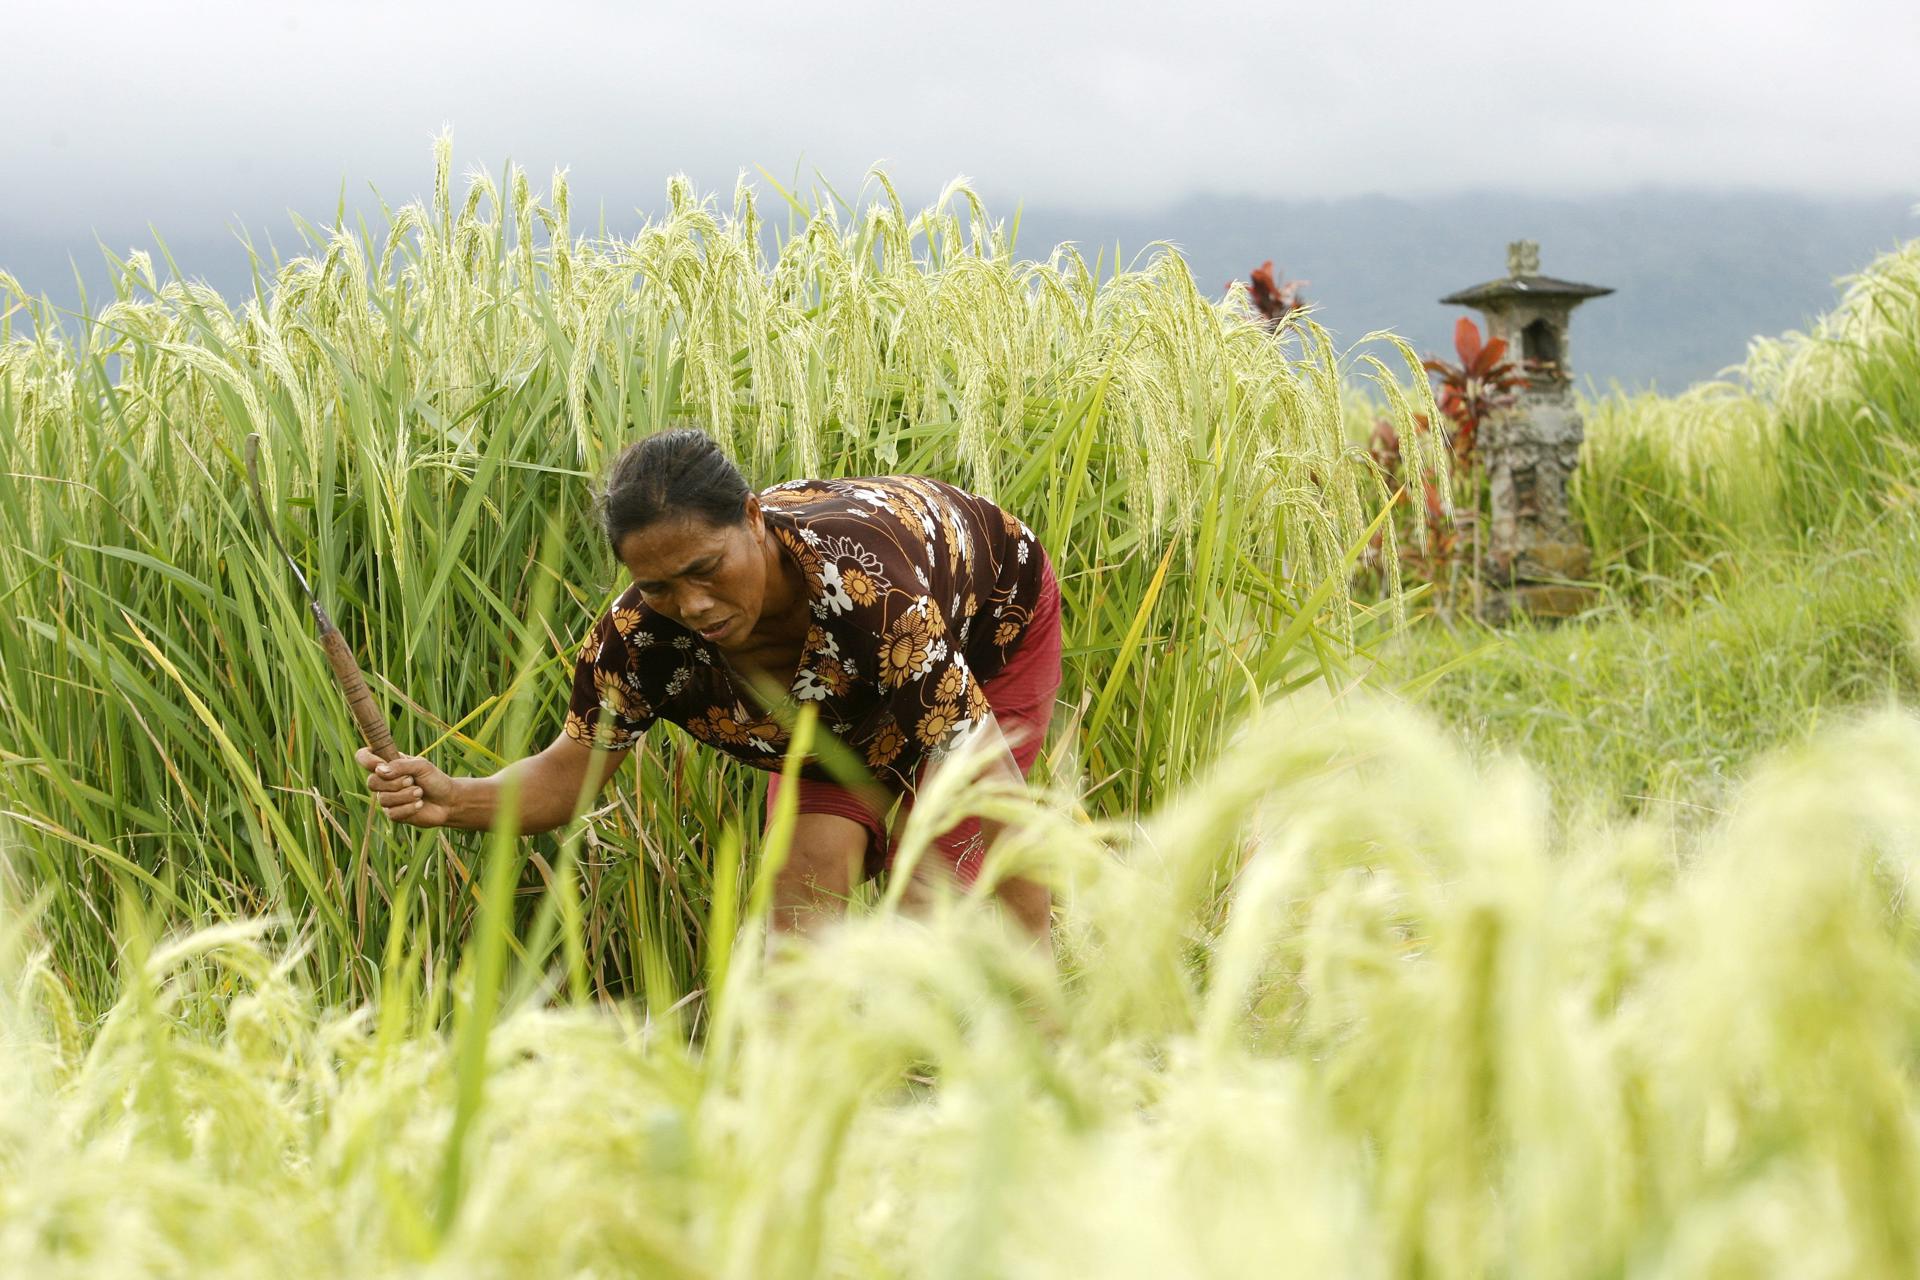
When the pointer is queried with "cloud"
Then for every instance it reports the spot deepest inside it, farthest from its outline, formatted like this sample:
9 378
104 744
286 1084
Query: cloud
223 110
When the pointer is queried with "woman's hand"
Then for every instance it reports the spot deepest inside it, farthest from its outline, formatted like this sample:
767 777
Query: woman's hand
410 789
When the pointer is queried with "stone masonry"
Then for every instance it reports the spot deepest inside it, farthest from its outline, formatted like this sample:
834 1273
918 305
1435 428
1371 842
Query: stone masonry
1535 560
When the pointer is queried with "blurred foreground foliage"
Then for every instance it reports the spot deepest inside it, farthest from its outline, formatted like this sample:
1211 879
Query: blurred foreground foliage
1419 1038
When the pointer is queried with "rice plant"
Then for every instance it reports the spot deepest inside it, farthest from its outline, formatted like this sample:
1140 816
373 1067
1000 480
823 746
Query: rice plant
432 393
1421 1040
1813 437
1665 696
1332 995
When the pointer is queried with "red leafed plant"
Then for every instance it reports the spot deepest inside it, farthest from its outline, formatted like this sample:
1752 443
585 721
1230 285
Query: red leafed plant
1273 299
1473 390
1468 393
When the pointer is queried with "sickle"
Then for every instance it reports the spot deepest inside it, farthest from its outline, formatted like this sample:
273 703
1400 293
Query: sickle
373 725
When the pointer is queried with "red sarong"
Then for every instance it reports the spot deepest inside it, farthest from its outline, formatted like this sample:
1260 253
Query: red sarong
1021 695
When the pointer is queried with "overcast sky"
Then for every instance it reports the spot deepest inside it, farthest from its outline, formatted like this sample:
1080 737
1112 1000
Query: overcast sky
187 113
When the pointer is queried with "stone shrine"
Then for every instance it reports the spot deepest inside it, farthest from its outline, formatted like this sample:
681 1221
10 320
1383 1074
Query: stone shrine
1536 558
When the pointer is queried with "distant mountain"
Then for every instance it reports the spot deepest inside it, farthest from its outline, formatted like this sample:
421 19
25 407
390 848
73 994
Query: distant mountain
1697 274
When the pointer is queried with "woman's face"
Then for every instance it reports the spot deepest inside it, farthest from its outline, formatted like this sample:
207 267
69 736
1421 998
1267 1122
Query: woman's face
709 578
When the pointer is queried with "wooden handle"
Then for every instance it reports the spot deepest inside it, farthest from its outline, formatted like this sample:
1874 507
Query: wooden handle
373 725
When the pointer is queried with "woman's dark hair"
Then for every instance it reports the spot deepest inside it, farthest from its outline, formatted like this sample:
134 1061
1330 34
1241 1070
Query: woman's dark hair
671 474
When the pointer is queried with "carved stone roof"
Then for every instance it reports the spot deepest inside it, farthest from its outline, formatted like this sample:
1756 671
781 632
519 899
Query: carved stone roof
1513 288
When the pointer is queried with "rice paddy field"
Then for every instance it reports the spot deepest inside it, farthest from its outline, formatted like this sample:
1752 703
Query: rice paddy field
1385 945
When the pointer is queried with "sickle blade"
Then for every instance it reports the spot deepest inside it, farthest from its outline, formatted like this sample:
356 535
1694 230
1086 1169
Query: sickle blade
346 672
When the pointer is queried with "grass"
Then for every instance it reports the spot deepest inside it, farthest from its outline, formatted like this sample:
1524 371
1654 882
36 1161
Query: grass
431 395
1665 696
1337 992
1426 1040
1815 436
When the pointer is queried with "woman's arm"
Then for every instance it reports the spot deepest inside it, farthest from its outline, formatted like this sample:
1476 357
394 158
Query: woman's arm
553 783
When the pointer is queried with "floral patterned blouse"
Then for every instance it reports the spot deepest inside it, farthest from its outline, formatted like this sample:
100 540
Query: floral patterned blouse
919 592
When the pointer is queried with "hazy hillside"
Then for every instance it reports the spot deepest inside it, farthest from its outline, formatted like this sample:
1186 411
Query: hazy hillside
1697 274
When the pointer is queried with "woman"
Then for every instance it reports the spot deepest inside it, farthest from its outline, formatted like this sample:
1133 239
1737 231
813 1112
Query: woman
909 612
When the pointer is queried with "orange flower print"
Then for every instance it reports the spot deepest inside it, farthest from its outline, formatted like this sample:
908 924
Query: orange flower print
795 494
859 587
938 723
1006 633
836 679
906 650
821 640
579 730
720 725
956 539
804 554
978 707
590 651
904 508
729 726
833 592
764 735
611 689
953 683
886 745
625 620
